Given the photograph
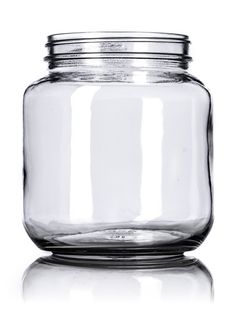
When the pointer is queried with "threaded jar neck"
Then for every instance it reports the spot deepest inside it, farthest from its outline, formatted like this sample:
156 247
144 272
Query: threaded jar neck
119 49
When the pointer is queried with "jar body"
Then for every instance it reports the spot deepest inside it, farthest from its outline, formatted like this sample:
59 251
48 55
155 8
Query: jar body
117 168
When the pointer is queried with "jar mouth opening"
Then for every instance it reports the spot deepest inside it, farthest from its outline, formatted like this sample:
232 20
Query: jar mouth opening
126 35
65 48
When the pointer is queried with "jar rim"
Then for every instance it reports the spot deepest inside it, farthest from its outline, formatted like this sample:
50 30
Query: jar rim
96 35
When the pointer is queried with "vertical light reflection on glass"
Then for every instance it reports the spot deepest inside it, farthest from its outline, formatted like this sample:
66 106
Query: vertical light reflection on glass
194 184
151 142
81 205
140 77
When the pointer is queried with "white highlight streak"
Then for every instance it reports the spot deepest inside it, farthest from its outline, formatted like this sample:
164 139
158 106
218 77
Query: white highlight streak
151 139
81 205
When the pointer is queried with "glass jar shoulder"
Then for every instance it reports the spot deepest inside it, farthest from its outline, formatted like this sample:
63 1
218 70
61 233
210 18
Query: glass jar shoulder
47 89
197 86
178 86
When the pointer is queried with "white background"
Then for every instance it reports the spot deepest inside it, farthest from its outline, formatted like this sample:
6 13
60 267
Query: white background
24 26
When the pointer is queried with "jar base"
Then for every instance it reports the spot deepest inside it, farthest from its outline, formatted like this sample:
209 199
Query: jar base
124 251
119 261
116 243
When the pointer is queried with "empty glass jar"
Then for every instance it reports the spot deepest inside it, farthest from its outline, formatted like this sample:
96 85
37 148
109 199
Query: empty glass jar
117 148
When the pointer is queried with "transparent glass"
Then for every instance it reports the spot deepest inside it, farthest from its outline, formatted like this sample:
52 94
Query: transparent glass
117 148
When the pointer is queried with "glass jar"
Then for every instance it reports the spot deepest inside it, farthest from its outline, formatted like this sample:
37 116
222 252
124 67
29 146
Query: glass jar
117 148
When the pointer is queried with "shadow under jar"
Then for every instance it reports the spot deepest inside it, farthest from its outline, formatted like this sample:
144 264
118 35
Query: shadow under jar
117 148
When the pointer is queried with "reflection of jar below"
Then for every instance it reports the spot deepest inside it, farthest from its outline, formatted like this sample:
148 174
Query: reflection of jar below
54 279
